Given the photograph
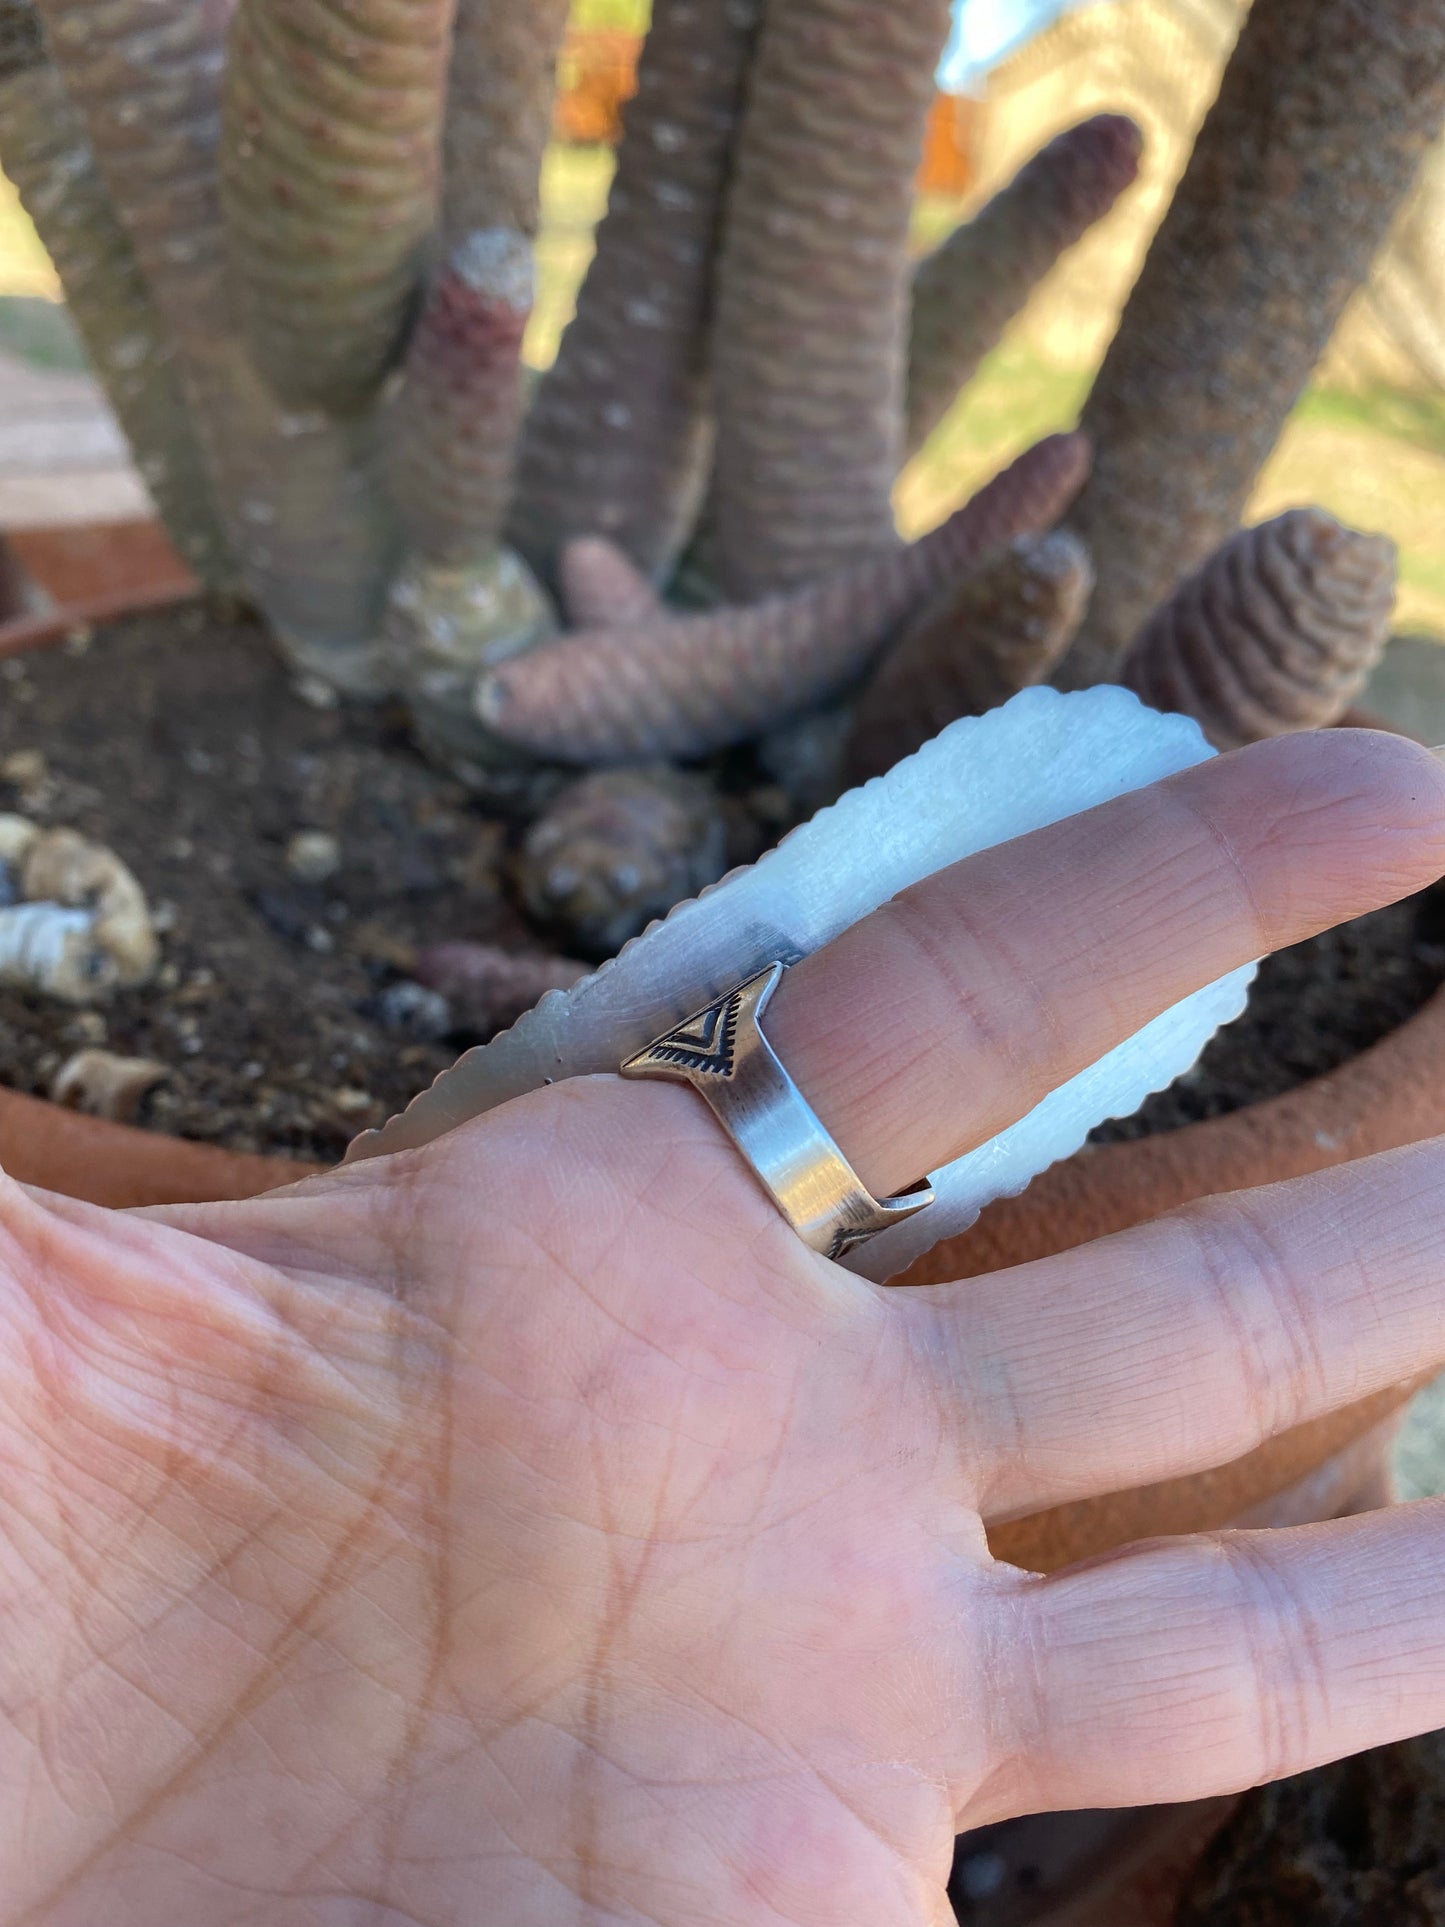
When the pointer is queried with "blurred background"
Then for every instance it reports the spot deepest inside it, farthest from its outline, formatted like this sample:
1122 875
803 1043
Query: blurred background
1368 442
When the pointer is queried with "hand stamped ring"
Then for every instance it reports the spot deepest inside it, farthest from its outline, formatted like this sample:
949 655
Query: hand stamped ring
722 1053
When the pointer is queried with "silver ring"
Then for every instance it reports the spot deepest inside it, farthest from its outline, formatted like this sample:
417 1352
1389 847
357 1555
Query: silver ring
722 1053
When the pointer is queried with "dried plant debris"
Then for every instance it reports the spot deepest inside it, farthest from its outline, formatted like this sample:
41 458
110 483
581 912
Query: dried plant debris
104 1085
810 343
688 684
487 988
617 850
1277 632
969 289
75 926
1360 1844
618 440
999 630
1325 111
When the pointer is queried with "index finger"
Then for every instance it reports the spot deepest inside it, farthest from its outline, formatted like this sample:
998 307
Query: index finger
946 1016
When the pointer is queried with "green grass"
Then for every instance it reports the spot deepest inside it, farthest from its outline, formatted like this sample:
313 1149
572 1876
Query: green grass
1374 458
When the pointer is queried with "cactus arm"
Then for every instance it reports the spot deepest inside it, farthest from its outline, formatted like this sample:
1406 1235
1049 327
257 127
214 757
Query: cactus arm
969 289
1325 110
330 164
46 154
465 600
617 441
811 331
458 415
499 113
691 684
601 587
1277 632
306 519
1001 629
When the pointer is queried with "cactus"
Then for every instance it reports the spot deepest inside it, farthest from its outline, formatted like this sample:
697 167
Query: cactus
1308 153
997 631
459 411
1279 631
330 164
684 685
46 154
969 289
303 512
618 440
603 588
298 238
618 849
809 403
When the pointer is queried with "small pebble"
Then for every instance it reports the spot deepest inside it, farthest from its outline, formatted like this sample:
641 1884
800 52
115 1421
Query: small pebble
312 856
27 769
351 1102
315 693
411 1010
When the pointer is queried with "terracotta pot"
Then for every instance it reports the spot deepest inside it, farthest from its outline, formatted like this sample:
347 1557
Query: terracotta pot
112 1164
88 575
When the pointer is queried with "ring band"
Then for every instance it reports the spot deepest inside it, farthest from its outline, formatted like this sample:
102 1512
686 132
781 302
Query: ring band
722 1053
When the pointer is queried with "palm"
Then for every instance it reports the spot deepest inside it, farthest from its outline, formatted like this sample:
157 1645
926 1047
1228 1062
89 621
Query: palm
531 1531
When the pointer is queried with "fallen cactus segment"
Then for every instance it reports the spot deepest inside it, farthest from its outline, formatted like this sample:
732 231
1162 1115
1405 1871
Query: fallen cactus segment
618 440
810 342
997 631
685 685
968 290
1277 632
1325 111
487 988
330 170
616 850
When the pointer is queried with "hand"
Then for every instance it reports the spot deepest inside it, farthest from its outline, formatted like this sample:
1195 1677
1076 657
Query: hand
532 1531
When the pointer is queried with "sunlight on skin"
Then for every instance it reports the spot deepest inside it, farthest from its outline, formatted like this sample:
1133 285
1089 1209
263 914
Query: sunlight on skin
531 1530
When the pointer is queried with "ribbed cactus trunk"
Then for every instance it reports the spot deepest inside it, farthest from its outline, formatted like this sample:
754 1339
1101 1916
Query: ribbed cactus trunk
968 290
303 511
46 153
330 176
618 439
1325 112
458 416
812 304
464 599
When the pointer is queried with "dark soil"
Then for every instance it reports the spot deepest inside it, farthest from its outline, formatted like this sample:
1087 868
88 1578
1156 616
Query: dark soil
179 741
1312 1008
1361 1844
